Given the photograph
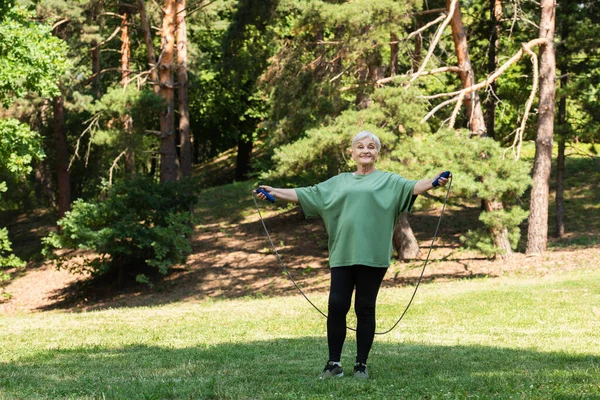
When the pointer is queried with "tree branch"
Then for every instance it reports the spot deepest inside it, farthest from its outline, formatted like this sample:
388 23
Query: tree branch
424 27
525 48
92 122
382 81
118 28
519 134
114 164
432 11
436 39
492 77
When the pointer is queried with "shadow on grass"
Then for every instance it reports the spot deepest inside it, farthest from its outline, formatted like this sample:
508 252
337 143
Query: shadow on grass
254 271
288 369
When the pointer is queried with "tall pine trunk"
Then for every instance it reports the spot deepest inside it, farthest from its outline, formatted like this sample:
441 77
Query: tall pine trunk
125 74
149 46
537 235
168 154
467 75
559 230
95 53
495 21
185 138
62 157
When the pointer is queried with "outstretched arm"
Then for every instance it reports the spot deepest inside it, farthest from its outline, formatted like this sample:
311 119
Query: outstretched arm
425 184
282 194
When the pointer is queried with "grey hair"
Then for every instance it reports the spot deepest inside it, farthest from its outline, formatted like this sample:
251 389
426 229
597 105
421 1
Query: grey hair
366 134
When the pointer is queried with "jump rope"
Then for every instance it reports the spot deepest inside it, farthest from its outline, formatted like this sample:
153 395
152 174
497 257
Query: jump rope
445 174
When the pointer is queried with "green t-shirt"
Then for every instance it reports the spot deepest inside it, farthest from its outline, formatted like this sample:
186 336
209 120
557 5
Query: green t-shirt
360 213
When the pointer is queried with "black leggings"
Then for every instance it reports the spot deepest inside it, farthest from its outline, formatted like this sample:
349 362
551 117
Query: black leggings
367 281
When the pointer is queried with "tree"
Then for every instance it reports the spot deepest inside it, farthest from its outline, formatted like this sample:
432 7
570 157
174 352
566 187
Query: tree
494 45
168 155
246 49
31 62
578 65
466 73
537 234
185 145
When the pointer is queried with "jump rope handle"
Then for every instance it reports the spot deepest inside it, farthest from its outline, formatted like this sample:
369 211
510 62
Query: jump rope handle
445 174
267 194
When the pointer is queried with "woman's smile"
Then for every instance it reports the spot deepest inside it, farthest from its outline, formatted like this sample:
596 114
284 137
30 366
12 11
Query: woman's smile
364 154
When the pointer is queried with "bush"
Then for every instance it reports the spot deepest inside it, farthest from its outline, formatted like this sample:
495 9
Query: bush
138 226
7 260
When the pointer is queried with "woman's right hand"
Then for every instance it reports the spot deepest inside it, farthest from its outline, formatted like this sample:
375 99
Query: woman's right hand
268 189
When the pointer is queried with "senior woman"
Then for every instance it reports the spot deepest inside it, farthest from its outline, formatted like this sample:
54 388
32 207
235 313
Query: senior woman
360 210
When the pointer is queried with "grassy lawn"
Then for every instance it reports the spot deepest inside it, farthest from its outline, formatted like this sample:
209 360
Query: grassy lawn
482 338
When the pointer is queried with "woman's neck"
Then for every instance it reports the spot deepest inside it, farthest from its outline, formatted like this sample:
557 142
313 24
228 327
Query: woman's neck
365 169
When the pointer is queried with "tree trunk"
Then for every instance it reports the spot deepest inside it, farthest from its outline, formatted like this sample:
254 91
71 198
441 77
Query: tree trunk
560 186
44 189
404 240
501 240
242 163
394 48
418 49
495 19
149 46
168 154
125 74
62 157
185 138
95 54
467 76
537 235
475 115
559 231
96 88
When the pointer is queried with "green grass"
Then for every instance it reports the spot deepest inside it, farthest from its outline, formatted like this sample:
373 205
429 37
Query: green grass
481 338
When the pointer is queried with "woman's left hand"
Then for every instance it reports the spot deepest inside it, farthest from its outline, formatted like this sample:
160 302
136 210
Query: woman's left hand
442 181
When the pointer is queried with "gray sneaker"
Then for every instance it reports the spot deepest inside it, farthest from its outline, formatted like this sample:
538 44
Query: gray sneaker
331 370
361 371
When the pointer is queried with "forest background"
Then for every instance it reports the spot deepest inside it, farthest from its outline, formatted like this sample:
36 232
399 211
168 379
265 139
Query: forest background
115 115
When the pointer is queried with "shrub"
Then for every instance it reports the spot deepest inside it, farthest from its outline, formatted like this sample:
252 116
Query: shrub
139 225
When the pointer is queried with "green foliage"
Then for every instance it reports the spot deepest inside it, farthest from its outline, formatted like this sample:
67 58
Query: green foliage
324 152
139 223
19 147
327 58
480 168
7 260
31 59
481 240
529 337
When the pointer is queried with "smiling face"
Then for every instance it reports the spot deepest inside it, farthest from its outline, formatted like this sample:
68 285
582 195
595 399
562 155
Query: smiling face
365 153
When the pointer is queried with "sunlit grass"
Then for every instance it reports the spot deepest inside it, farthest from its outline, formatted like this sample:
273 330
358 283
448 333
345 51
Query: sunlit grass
484 338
